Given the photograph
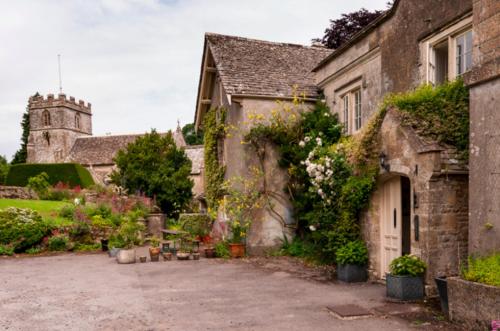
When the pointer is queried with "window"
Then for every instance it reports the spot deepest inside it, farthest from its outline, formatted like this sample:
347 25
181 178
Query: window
46 118
448 53
351 103
346 113
77 121
357 110
463 52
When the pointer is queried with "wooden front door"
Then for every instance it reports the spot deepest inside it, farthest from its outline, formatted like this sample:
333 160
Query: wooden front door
390 221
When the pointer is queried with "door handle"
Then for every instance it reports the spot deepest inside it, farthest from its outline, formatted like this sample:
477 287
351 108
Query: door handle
395 217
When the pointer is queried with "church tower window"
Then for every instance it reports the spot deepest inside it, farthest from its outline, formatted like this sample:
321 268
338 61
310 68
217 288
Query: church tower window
46 118
77 121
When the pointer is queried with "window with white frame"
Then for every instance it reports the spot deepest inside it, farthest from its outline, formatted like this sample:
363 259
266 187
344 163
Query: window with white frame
346 113
448 53
357 110
351 110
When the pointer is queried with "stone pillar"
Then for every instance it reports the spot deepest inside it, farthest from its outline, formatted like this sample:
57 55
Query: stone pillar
155 222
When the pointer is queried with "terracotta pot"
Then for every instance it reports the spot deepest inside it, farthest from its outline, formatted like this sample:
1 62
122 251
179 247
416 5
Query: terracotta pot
237 250
196 256
154 253
142 259
167 256
210 253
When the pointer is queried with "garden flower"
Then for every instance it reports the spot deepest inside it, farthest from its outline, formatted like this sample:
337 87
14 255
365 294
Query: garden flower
307 139
77 201
312 228
302 143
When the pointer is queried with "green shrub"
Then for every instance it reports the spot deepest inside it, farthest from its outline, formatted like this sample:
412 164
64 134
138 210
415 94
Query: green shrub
6 250
21 228
70 173
40 184
58 243
407 265
87 247
58 195
196 224
129 234
33 250
67 212
222 250
354 252
484 270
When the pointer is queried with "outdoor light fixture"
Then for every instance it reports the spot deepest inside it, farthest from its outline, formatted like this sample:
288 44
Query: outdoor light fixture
383 162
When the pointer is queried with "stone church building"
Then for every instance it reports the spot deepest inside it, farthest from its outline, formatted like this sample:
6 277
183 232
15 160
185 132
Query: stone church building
421 204
61 131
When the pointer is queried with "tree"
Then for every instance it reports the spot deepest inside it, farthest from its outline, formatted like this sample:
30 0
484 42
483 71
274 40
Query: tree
342 29
191 136
22 154
4 169
155 166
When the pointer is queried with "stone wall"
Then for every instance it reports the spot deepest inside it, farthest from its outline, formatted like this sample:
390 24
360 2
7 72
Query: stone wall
484 79
16 192
473 305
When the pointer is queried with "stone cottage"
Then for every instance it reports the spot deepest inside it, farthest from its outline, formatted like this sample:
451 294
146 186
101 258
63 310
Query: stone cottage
420 205
247 76
61 131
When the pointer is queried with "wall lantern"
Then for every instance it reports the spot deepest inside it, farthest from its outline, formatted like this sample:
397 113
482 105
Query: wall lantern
383 162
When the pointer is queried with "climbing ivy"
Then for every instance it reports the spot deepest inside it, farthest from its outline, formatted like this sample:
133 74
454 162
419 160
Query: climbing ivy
214 129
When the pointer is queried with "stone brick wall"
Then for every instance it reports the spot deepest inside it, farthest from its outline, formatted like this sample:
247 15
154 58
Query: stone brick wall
484 79
16 192
473 305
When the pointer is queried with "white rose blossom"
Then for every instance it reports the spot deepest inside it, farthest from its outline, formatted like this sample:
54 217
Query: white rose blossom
302 143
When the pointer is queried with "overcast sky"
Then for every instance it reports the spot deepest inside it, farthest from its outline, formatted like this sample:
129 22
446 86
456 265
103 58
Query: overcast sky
136 61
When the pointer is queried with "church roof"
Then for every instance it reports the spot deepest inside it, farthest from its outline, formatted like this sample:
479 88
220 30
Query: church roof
101 150
263 68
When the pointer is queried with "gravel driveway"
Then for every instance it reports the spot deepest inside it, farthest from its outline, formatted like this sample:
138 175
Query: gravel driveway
93 292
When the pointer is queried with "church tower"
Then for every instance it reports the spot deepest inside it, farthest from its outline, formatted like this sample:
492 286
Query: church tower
55 123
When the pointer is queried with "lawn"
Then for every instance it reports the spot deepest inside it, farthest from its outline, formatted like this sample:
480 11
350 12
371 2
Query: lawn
47 209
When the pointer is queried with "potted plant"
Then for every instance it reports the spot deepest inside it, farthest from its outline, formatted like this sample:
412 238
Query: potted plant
103 228
405 281
238 234
130 233
154 250
351 262
209 250
184 252
115 244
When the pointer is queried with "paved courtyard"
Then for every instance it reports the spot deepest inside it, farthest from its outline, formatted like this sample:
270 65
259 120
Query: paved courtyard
93 292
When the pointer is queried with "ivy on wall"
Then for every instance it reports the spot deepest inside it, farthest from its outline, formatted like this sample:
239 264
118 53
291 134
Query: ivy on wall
214 130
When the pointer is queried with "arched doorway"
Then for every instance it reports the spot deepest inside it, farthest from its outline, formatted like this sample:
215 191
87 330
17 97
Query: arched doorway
395 221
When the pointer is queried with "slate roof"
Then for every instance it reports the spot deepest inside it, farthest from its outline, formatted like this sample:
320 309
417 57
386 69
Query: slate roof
263 68
101 150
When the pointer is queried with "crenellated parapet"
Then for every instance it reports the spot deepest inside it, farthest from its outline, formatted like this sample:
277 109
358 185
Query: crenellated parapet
39 101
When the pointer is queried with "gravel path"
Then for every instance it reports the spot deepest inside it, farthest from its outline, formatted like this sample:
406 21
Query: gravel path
93 292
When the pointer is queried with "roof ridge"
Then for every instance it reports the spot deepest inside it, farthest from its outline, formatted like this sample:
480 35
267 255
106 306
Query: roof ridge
275 43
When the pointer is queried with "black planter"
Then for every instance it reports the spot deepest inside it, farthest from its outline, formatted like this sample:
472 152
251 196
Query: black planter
442 287
405 287
351 273
104 245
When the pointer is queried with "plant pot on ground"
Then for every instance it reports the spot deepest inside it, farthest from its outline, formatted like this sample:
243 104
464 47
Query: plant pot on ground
104 245
237 250
167 256
128 236
154 250
351 262
442 287
181 255
209 252
405 281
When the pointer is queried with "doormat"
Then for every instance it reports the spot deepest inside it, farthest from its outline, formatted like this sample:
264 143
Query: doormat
349 312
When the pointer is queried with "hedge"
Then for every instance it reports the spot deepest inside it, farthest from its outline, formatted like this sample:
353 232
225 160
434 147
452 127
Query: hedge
72 174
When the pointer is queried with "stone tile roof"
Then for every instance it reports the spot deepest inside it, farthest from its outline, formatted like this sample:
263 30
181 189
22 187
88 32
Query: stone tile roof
101 150
262 68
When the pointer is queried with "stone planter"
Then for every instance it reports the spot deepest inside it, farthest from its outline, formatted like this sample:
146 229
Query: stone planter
183 256
196 256
351 273
405 288
474 305
126 256
442 288
237 250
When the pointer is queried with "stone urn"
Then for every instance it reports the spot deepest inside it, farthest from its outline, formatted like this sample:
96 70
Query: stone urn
126 256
